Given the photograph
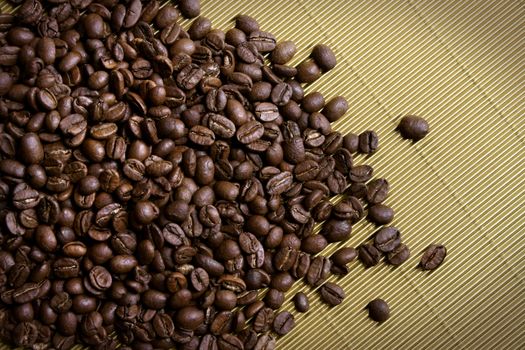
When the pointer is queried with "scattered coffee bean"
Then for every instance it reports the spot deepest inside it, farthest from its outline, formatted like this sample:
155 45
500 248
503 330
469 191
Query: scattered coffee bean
433 257
399 255
380 214
413 127
332 294
378 310
301 302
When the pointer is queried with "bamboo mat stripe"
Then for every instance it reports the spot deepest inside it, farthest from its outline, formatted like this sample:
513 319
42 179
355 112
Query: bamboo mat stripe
461 65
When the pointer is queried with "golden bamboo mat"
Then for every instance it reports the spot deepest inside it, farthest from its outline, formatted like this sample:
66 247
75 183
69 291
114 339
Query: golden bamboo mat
461 65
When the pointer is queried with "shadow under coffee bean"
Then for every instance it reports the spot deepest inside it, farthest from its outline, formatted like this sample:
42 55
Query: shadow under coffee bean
153 180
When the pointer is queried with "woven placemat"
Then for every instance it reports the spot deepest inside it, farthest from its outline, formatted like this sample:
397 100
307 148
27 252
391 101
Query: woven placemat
461 65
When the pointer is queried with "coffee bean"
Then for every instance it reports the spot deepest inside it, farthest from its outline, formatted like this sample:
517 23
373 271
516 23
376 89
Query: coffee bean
433 257
343 256
377 191
301 302
368 142
351 142
283 323
378 310
318 271
369 255
413 127
380 214
308 72
324 57
361 173
332 294
399 255
189 8
336 230
387 239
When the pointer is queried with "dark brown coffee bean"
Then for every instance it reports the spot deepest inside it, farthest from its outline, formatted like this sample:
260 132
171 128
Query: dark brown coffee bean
387 239
369 255
351 142
433 257
308 72
361 173
199 28
301 302
332 294
189 8
281 94
413 127
283 323
336 230
314 244
335 108
189 317
348 209
399 255
378 310
368 142
324 57
377 191
31 150
343 256
380 214
318 271
283 52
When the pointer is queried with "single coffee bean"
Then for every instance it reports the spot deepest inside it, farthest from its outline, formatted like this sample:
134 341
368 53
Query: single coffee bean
343 256
308 72
377 191
332 294
399 255
369 255
301 302
368 142
387 239
433 257
324 57
378 310
190 8
283 323
380 214
283 52
413 127
351 142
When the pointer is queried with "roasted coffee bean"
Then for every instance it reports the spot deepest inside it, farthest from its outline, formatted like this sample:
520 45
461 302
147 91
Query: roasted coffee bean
361 173
433 257
413 127
308 72
399 255
380 214
314 244
377 191
343 256
318 271
368 142
283 323
337 230
332 294
387 239
351 142
349 208
301 302
369 255
378 310
189 8
335 108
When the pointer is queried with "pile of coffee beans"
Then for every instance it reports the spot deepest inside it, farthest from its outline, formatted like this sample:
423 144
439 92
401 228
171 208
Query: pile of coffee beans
164 183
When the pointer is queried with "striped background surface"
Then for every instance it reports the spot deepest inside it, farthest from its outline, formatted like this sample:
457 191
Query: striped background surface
461 65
